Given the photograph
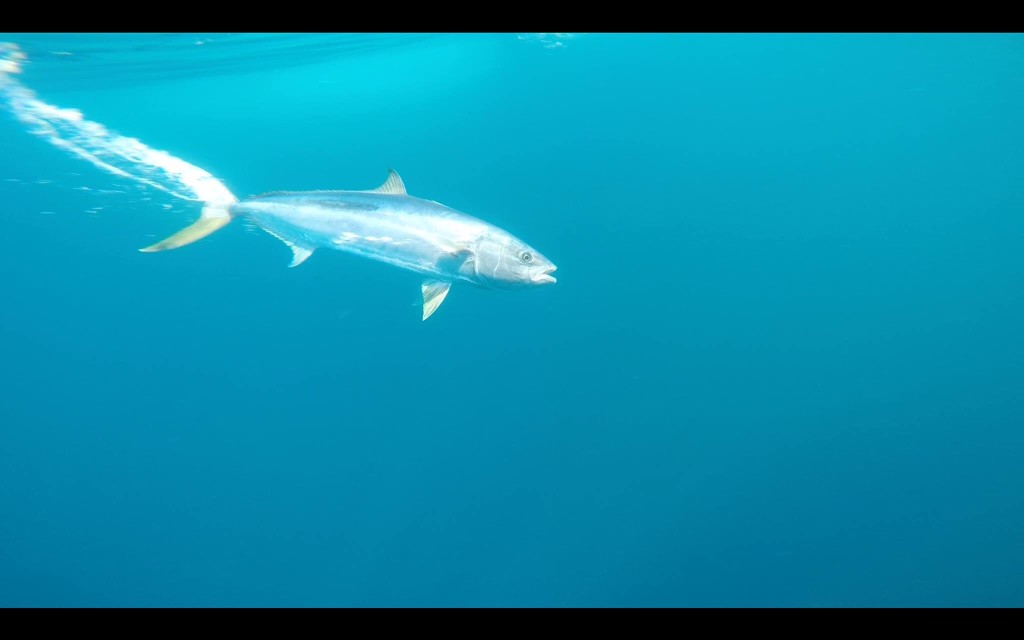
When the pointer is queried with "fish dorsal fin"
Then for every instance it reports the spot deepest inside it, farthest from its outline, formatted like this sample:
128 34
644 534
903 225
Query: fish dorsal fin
434 292
392 186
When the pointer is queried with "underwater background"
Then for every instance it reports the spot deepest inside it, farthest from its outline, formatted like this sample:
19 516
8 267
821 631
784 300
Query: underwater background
782 365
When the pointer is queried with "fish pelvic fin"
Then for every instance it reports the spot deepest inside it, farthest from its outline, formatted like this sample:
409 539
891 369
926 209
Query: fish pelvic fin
212 219
434 292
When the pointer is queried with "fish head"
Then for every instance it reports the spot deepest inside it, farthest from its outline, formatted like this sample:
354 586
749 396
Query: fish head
503 261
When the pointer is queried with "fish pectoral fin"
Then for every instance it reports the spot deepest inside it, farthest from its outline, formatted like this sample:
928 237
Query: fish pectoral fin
453 258
299 254
434 292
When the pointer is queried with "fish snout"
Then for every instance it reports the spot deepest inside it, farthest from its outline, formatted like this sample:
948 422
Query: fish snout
543 275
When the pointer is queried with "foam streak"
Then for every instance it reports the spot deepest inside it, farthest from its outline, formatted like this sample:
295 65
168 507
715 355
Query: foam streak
127 157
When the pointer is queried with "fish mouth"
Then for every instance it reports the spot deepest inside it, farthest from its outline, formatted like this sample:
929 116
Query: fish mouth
545 277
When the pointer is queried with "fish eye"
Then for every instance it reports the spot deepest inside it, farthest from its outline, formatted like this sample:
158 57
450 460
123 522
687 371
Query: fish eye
526 256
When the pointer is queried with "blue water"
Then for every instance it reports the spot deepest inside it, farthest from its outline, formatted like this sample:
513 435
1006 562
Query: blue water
782 365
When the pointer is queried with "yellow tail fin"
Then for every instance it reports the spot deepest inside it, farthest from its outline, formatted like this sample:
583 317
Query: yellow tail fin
211 220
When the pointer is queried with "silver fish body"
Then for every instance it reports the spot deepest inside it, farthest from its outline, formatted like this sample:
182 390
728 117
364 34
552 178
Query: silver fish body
388 225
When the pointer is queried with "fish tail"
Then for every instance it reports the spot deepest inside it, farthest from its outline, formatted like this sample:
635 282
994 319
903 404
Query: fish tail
122 156
213 217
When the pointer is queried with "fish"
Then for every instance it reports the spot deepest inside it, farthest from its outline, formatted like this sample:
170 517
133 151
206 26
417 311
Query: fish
387 225
384 224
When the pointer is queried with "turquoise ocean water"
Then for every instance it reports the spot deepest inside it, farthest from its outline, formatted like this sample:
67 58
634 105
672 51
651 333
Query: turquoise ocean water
782 364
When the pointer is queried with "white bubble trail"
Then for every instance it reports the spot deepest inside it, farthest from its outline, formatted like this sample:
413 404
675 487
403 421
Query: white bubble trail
67 129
